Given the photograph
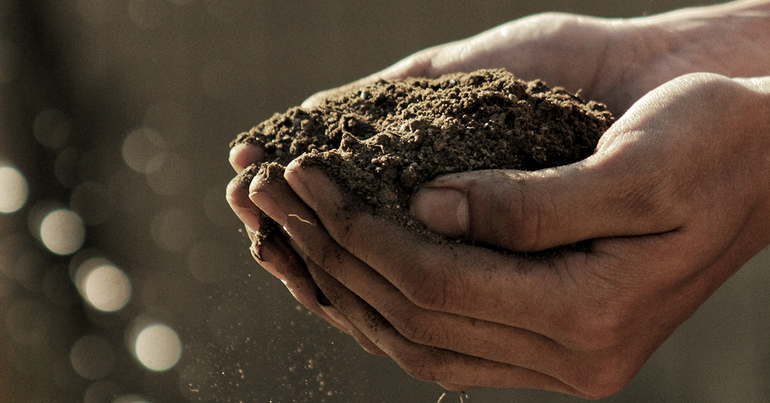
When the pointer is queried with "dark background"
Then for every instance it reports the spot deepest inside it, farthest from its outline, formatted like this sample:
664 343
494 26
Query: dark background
186 76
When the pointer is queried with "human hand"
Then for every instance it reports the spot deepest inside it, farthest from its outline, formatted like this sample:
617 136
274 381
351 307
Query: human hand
637 56
614 61
671 205
278 254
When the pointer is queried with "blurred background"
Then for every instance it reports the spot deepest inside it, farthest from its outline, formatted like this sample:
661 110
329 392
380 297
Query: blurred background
124 277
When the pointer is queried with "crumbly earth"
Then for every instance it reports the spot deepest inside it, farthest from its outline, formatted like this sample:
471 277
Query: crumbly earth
383 141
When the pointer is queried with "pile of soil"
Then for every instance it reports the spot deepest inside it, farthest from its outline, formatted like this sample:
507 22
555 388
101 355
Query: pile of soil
383 141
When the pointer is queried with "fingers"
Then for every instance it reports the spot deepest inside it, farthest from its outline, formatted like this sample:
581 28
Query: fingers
415 298
274 253
350 329
238 198
288 263
278 258
244 154
426 362
431 275
609 194
470 336
424 326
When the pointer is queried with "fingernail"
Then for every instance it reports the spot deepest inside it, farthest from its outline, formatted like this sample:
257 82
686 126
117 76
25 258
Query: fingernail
248 217
268 266
442 210
269 206
243 208
244 154
298 184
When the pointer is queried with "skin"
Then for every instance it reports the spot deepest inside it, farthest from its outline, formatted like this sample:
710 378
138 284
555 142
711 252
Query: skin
671 204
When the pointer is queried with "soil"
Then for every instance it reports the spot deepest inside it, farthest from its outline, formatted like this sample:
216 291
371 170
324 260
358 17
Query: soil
383 141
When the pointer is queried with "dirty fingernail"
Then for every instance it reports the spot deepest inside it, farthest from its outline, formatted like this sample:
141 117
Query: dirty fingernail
244 154
258 255
442 210
268 205
298 184
248 217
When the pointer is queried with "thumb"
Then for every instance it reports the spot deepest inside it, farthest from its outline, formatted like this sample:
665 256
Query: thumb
602 196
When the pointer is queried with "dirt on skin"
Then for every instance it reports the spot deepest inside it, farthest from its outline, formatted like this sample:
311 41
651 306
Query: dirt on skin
383 141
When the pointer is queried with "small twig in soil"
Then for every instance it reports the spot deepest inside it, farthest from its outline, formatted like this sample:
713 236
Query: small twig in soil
302 219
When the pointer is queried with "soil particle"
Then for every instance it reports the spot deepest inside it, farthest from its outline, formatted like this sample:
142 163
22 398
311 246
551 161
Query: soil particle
383 141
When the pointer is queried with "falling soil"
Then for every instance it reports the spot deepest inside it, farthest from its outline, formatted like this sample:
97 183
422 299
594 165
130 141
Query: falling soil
383 141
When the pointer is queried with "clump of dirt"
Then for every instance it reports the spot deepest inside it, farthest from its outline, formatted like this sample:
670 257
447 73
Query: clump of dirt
384 140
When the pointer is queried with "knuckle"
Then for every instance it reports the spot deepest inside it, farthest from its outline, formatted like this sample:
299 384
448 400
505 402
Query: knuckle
657 201
422 365
654 194
427 290
606 376
598 328
529 212
415 327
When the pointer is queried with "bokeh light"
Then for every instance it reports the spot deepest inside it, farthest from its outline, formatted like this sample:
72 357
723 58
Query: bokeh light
102 391
107 288
144 150
13 190
173 178
62 232
102 284
158 347
92 357
130 399
170 118
84 263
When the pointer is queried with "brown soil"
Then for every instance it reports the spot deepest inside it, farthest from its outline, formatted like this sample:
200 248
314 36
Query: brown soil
382 141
